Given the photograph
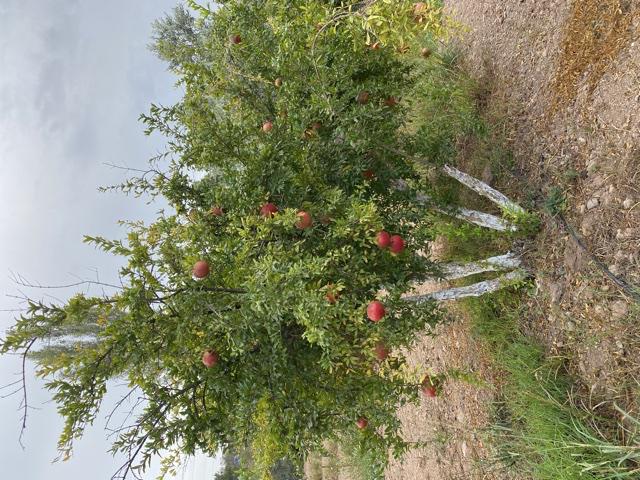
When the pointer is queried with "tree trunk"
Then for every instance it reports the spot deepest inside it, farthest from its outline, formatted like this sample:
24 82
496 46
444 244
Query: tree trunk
483 189
475 290
453 271
485 220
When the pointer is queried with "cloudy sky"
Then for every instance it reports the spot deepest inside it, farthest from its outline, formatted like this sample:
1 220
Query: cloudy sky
74 76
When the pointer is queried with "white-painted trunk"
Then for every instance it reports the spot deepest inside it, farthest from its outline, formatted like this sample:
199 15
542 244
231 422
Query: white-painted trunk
483 189
453 271
475 290
485 220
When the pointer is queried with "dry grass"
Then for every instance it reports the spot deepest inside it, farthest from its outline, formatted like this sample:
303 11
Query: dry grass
597 31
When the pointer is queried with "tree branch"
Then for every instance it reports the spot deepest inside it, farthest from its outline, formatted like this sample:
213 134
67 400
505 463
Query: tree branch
159 412
25 405
20 280
483 189
118 404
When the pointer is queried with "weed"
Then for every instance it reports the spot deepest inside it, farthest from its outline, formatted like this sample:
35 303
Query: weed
555 202
538 428
443 111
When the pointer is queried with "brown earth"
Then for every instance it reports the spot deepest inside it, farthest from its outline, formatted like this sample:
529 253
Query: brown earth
455 423
566 77
562 83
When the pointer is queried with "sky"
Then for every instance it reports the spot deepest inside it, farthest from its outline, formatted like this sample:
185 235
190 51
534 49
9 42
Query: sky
74 77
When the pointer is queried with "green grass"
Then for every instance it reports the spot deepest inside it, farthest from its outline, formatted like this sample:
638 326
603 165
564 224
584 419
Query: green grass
347 457
444 110
538 430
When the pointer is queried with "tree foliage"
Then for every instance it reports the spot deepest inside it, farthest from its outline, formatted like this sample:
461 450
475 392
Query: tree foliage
296 367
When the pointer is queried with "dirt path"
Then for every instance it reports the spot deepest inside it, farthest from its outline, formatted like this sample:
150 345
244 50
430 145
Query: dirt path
566 77
454 424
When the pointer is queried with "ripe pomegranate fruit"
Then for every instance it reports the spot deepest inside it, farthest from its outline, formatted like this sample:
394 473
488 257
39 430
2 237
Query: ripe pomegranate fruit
383 239
200 269
268 210
362 423
210 358
391 102
375 311
397 244
304 220
363 98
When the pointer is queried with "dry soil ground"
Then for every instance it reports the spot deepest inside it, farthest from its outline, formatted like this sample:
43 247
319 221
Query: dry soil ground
566 77
563 78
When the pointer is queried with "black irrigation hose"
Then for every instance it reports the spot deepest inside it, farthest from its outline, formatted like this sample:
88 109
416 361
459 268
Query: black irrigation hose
623 284
632 291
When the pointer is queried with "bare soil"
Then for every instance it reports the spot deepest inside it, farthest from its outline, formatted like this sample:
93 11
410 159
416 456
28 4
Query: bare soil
565 76
455 423
562 83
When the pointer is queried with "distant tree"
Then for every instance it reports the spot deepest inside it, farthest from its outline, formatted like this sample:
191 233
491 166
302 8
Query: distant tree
176 37
231 468
73 335
236 462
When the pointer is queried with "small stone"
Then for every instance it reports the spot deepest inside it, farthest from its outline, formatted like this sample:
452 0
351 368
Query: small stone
614 269
592 203
588 225
620 256
628 203
587 294
556 290
569 326
612 189
582 208
597 181
600 311
582 140
619 309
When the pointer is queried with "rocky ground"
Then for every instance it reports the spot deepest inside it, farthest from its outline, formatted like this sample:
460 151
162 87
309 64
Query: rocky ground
566 77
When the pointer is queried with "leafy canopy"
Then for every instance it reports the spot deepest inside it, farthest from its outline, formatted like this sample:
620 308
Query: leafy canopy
295 367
